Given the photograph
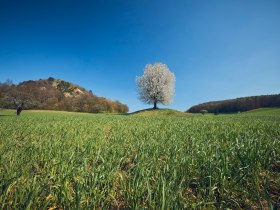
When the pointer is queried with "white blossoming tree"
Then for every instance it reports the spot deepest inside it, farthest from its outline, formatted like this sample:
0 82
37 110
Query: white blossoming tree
156 85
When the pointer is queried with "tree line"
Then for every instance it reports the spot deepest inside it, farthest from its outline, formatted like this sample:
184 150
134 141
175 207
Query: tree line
53 94
237 105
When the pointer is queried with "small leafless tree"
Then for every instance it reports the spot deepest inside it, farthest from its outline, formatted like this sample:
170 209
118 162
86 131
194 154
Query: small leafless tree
17 100
156 85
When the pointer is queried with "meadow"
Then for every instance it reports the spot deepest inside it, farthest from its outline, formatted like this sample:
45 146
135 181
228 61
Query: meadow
63 160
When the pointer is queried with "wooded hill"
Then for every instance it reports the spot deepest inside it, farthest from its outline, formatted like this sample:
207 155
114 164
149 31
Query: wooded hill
55 94
237 105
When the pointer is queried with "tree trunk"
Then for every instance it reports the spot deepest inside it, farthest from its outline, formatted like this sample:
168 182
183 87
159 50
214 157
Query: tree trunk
155 105
19 109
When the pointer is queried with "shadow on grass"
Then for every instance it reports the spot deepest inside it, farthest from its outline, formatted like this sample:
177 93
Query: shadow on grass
7 115
143 110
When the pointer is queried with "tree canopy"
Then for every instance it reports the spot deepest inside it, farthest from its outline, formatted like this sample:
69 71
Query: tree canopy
157 85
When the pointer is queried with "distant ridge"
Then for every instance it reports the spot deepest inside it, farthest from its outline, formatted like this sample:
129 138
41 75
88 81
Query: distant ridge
55 94
238 104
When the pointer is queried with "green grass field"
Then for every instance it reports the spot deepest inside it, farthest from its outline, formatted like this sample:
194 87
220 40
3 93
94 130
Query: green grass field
264 112
62 160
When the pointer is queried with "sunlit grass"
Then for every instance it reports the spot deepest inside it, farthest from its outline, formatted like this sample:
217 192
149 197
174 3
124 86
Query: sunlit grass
160 112
74 160
264 112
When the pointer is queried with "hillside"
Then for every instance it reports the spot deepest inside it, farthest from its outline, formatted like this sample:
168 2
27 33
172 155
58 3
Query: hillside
263 112
159 112
238 105
55 94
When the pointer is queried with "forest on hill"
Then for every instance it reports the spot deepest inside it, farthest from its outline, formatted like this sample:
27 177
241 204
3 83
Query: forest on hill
237 105
55 94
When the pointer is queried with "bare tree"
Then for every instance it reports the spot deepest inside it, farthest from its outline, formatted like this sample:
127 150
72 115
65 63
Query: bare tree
17 100
156 85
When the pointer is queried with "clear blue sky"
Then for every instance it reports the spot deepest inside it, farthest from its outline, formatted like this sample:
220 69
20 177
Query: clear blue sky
217 49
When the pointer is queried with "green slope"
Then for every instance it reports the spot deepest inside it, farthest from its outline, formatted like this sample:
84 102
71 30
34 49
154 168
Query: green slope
263 112
160 112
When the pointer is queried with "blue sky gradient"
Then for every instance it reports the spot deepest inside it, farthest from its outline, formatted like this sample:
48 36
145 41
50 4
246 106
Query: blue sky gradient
217 49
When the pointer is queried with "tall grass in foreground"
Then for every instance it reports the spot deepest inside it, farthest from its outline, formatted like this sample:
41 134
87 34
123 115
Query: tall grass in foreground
55 160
